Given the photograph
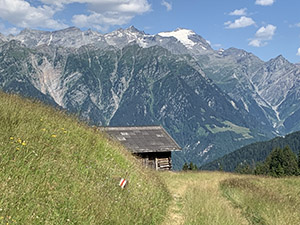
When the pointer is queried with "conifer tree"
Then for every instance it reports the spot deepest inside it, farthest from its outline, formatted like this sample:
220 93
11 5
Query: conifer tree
185 167
289 162
299 162
192 166
281 162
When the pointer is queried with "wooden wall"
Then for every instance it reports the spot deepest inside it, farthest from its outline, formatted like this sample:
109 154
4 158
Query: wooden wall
156 160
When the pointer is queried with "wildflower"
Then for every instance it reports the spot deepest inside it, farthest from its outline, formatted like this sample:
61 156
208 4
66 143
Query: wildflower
44 129
17 148
54 135
19 140
24 143
11 138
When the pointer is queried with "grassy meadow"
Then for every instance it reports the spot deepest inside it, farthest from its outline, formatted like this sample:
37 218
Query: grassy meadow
214 198
56 170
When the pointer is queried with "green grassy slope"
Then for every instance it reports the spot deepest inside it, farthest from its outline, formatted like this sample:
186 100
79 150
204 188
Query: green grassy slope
55 170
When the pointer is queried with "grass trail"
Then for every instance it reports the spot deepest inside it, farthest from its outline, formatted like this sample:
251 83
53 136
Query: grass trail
198 199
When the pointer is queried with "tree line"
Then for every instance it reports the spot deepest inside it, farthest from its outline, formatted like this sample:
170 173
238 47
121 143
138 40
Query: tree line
190 166
254 153
280 162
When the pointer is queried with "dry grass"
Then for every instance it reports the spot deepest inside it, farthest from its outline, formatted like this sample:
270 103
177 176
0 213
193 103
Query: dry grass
224 198
265 200
198 199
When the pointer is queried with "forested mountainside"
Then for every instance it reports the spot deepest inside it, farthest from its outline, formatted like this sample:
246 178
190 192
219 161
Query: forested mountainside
253 153
211 102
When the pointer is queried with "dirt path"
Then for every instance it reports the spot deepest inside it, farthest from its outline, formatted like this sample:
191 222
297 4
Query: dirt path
197 199
175 216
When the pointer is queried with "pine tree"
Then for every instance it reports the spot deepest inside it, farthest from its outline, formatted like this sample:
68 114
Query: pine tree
261 169
281 162
192 166
273 162
299 162
289 162
185 167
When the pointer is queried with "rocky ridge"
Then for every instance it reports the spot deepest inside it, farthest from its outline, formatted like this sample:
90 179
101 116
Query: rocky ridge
211 101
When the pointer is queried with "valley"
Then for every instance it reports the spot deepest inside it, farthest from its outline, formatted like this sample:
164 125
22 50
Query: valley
211 101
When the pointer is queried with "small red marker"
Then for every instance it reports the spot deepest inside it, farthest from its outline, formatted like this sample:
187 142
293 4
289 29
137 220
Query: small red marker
122 183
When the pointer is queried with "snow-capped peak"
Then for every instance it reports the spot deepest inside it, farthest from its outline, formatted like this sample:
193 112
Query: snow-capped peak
181 35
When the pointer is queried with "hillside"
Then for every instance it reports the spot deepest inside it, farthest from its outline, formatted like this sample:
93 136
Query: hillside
56 170
253 153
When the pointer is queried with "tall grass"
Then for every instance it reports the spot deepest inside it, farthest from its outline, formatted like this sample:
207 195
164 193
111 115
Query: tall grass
215 198
265 200
199 199
56 170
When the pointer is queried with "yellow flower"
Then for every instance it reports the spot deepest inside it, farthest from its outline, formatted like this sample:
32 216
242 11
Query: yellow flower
11 138
19 140
17 148
44 129
24 143
53 135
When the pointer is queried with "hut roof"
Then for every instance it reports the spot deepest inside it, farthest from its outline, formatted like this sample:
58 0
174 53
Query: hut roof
143 139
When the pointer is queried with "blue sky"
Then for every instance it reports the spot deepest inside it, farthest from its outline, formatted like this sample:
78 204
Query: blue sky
266 28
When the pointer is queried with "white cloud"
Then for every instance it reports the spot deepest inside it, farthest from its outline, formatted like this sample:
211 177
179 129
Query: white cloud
22 14
298 52
263 35
255 43
100 14
7 31
100 21
239 23
264 2
168 5
238 12
106 13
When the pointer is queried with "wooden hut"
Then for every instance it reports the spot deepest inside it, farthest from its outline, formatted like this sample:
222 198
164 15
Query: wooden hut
151 144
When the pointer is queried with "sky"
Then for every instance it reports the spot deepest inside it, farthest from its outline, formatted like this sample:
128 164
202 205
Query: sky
266 28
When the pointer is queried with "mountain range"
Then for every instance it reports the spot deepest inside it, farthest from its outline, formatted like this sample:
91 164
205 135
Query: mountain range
211 101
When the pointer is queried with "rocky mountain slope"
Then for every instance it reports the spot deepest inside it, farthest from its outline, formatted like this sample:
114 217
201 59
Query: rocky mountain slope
212 102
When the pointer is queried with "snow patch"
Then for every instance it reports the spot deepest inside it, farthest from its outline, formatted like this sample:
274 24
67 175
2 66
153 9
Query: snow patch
50 40
181 35
234 105
245 105
206 150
